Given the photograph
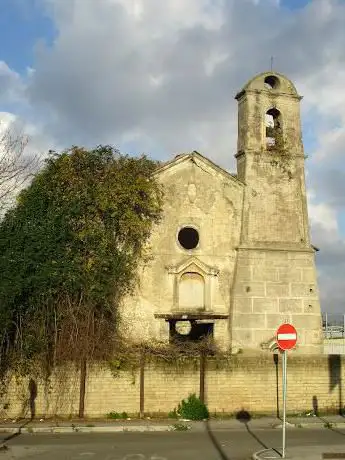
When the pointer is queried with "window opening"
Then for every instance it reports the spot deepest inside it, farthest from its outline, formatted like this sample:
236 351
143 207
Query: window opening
188 237
271 82
273 127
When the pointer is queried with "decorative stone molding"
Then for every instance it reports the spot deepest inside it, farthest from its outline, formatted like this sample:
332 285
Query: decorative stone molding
193 265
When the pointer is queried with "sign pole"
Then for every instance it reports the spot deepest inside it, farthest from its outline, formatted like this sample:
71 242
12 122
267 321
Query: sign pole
284 400
286 340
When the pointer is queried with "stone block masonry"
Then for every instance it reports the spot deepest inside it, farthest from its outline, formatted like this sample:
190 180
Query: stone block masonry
275 267
243 382
280 287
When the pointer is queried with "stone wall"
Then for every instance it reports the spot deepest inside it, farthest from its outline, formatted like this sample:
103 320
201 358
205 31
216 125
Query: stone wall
249 383
272 287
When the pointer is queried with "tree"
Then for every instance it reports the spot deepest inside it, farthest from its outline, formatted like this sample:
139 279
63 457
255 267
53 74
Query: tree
69 253
16 168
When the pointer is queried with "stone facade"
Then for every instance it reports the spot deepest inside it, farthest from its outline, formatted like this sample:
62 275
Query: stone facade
232 256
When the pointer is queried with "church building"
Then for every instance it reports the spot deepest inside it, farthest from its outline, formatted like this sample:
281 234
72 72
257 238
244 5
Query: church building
232 256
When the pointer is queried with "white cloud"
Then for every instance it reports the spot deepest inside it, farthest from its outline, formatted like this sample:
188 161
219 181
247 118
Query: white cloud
160 77
161 68
6 119
11 85
37 143
165 17
325 234
321 214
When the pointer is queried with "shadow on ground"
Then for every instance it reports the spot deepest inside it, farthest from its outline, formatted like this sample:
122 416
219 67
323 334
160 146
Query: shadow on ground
326 423
31 403
3 442
243 417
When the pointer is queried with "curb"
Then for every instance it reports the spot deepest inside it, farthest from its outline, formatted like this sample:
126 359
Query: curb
311 425
288 425
271 454
152 428
86 429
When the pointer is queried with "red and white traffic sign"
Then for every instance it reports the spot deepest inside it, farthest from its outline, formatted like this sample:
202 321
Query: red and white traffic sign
286 336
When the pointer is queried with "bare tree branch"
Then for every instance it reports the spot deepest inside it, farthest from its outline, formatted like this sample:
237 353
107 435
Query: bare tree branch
16 167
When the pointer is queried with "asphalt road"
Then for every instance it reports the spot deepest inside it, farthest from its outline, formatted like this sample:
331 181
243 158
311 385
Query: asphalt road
223 445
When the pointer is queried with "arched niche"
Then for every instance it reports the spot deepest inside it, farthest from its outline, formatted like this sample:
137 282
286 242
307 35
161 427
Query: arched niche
192 282
191 291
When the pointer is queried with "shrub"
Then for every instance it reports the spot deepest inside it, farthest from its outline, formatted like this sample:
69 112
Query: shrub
173 414
192 409
117 416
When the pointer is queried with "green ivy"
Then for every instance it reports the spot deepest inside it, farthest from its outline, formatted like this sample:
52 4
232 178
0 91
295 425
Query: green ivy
69 253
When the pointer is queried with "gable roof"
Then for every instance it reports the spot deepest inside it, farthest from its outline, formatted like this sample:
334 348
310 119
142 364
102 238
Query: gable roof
198 159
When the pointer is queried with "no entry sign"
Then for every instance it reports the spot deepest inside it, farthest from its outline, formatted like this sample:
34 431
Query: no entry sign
286 339
286 336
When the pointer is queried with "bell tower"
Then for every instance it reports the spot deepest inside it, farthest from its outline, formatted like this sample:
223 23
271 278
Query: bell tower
270 160
275 279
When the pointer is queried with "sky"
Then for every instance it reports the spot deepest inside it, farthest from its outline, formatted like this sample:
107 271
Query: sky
160 78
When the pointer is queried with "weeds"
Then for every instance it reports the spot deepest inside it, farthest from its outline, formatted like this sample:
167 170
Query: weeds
117 415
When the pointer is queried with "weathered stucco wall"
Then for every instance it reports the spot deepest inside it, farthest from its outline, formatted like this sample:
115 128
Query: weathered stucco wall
210 200
275 202
245 383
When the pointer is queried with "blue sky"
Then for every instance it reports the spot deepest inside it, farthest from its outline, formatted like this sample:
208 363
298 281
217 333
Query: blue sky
23 23
294 4
160 77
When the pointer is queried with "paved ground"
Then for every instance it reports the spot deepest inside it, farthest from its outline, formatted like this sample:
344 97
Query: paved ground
106 425
224 445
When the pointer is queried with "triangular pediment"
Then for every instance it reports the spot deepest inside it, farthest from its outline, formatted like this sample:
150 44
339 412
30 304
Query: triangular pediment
193 264
200 161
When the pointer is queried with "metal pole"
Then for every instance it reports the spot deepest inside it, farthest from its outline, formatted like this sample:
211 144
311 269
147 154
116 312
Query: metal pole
142 386
202 376
343 326
326 321
284 400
